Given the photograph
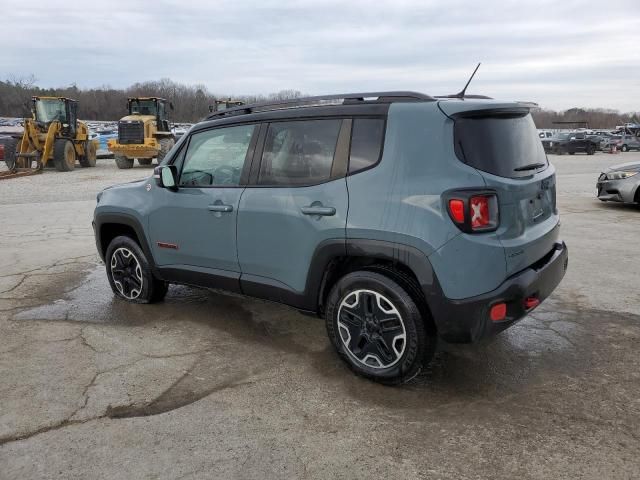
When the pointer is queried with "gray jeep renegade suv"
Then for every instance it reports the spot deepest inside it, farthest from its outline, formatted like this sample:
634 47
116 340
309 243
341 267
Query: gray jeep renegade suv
397 216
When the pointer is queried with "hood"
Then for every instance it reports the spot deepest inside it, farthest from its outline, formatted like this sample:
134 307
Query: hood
125 184
629 166
139 118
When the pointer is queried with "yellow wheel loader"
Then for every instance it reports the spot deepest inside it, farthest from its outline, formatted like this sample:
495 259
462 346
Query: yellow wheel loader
143 134
53 133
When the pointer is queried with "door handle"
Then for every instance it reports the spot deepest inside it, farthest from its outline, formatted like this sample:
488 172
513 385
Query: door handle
317 210
220 207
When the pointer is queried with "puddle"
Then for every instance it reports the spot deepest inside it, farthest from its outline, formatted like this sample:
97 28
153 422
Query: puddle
240 339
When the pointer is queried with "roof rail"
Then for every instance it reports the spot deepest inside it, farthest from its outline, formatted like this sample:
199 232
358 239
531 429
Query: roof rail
339 99
471 97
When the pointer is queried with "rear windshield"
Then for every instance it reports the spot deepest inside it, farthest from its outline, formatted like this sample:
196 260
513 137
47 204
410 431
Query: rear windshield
506 145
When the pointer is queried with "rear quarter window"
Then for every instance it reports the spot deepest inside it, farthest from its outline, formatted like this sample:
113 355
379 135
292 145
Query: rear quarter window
367 135
499 143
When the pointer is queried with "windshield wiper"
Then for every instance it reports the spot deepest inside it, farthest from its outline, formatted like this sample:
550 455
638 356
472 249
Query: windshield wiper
531 166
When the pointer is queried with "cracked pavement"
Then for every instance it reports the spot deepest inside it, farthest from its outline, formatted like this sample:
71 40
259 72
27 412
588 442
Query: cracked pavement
209 385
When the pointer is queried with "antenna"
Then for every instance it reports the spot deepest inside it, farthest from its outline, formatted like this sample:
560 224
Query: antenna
461 93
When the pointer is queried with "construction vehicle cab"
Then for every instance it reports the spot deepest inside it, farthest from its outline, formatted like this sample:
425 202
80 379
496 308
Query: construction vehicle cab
54 133
219 105
144 133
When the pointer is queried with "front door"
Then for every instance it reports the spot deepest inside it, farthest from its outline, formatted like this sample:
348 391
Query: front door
194 227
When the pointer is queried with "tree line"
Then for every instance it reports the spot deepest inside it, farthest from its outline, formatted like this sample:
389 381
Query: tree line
191 102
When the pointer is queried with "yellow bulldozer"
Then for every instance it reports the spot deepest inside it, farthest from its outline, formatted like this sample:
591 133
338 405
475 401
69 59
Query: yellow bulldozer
144 134
54 133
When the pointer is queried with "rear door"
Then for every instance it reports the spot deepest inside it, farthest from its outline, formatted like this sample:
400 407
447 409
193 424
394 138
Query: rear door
503 146
297 200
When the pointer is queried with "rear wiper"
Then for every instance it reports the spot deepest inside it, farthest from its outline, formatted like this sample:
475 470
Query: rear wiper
531 166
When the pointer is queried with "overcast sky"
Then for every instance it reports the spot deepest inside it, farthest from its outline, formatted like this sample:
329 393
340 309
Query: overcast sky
557 53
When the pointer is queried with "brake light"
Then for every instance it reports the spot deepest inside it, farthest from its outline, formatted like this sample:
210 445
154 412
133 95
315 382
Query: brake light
456 208
473 211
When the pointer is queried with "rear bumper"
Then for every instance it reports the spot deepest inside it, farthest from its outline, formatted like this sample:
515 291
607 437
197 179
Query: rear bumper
467 320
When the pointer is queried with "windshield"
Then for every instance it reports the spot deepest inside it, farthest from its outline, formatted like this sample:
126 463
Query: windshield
50 110
143 107
500 144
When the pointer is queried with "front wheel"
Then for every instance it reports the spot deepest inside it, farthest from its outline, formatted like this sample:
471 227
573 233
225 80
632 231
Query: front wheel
90 154
377 329
129 273
64 155
122 161
625 148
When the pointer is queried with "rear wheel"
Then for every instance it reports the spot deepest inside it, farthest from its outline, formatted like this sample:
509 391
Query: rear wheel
145 161
130 274
625 148
165 145
90 155
376 328
64 155
591 150
122 161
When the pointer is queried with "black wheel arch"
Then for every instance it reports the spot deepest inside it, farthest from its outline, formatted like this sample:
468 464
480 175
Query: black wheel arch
335 258
108 226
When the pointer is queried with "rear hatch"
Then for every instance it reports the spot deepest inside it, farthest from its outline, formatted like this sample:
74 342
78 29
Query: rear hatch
501 142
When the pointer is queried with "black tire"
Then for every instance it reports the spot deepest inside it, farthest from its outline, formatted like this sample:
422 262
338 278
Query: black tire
10 147
417 347
90 155
64 155
591 150
145 161
129 273
624 148
123 162
571 153
166 144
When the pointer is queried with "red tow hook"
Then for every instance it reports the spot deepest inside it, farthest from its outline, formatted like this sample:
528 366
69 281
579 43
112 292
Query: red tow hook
531 302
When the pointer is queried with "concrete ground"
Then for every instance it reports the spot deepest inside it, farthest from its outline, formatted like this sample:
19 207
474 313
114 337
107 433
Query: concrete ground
207 385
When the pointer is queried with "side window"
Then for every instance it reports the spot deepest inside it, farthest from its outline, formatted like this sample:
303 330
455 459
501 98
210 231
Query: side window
299 152
366 143
216 157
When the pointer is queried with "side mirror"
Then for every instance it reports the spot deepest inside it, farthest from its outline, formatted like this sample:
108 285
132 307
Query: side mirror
166 176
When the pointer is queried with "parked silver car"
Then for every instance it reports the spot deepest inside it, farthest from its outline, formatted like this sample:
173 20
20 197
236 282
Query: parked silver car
623 142
620 183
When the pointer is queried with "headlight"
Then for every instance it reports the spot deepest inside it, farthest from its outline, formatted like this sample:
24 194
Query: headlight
620 175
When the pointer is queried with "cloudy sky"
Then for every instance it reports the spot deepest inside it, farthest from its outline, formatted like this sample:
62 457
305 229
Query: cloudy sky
557 53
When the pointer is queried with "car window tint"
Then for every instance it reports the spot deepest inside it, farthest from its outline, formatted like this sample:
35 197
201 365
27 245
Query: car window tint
299 152
366 143
216 157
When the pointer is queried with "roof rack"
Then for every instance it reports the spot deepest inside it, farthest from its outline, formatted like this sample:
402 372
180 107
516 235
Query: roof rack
339 99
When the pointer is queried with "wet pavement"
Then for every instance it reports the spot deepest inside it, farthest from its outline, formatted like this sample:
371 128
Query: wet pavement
211 385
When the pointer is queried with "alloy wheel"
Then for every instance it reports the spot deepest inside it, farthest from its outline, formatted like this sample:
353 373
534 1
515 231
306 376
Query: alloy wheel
371 329
126 273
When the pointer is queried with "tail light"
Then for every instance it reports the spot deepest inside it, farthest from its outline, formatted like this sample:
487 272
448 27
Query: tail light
473 211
